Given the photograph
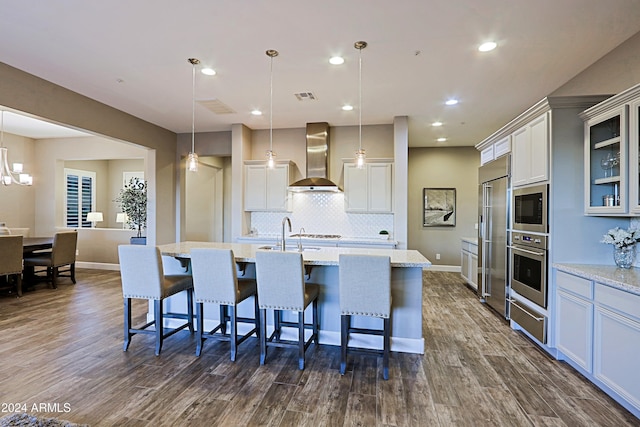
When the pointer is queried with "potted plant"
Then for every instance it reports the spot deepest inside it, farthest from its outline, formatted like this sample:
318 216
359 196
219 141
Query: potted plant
133 202
384 234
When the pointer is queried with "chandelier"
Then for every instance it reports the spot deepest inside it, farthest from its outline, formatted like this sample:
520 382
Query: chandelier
15 175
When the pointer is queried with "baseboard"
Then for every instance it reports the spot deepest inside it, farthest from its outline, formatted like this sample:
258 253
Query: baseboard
449 268
98 266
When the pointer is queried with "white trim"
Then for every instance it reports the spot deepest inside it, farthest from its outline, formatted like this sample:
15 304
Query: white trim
450 268
98 266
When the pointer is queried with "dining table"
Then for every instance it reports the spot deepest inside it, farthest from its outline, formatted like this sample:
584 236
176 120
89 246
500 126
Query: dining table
32 244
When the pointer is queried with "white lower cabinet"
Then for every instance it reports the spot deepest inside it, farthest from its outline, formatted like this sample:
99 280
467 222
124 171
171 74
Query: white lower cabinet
617 342
469 263
598 330
575 328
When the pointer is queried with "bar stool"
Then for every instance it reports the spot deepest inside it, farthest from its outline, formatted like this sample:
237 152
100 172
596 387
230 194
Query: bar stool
143 278
215 280
365 290
281 286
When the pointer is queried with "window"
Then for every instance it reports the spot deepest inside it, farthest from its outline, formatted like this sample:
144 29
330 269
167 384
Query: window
80 197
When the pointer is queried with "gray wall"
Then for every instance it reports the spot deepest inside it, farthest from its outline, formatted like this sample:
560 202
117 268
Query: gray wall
455 167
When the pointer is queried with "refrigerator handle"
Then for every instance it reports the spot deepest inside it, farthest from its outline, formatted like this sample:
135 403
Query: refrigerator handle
486 244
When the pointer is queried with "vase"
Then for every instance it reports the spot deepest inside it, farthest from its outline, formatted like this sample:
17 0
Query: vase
625 256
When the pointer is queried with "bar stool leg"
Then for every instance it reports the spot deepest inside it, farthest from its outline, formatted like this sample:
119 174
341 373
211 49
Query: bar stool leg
315 321
223 319
127 324
199 327
301 340
157 315
234 332
344 340
263 335
386 345
190 309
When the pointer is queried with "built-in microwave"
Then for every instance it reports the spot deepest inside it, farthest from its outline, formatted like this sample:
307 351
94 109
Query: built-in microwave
530 209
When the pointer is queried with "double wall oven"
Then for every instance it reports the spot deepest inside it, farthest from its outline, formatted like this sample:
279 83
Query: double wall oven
528 258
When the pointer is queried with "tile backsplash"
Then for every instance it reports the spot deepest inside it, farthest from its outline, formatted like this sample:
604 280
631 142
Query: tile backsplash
322 213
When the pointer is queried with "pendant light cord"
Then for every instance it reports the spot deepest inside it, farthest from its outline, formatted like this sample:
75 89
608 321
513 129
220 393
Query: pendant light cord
193 108
360 96
271 103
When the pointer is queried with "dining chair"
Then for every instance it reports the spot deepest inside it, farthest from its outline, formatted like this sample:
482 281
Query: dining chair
62 254
11 260
281 287
215 280
142 277
365 290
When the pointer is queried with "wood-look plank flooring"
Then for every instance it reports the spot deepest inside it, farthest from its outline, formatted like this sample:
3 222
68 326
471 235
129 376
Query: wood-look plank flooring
64 347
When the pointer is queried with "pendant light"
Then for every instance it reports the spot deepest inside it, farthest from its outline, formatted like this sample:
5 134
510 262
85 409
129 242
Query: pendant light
271 155
192 159
360 154
8 176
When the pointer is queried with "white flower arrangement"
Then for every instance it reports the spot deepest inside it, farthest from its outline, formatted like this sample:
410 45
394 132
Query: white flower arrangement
621 238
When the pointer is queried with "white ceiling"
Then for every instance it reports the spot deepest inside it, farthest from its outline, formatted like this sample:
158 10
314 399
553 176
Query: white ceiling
132 55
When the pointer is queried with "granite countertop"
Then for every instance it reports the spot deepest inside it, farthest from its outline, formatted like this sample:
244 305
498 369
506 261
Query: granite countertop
311 240
621 278
321 256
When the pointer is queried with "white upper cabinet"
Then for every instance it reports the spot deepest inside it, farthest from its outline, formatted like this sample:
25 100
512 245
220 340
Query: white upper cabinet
611 155
265 189
495 150
530 150
368 189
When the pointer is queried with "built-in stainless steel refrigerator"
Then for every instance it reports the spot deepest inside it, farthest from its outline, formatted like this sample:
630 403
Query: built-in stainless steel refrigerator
493 222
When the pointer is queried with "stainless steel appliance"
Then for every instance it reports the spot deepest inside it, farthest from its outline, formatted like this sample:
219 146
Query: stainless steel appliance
494 198
530 211
529 266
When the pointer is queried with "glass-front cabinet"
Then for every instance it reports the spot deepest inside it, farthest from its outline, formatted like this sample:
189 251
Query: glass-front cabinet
606 163
634 157
612 153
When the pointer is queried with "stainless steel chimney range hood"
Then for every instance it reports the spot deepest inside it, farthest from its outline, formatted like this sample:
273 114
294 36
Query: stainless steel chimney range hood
317 160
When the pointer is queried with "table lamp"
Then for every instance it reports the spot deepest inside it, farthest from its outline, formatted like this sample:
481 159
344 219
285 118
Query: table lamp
122 218
94 217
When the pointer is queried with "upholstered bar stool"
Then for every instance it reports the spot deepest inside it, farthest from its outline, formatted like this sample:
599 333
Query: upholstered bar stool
281 286
365 290
11 260
143 278
215 280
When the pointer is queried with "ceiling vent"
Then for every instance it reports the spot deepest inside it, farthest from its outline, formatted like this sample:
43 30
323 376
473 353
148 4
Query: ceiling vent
216 106
305 96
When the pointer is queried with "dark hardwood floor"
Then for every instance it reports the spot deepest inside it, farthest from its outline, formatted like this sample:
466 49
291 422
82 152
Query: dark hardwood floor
63 348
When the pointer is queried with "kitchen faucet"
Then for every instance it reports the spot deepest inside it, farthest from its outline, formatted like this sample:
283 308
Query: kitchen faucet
282 240
302 230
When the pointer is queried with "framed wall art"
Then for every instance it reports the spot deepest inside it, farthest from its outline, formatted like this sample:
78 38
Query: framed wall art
439 207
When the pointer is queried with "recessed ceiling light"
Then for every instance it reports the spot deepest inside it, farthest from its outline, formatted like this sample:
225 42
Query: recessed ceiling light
451 101
441 139
336 60
436 124
347 107
256 112
487 46
208 71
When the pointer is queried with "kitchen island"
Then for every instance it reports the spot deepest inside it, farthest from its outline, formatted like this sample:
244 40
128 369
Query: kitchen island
321 264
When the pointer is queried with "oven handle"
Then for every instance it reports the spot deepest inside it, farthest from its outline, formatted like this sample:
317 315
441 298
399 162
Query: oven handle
517 248
515 302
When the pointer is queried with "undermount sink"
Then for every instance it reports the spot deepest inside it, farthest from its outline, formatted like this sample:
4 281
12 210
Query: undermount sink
292 248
